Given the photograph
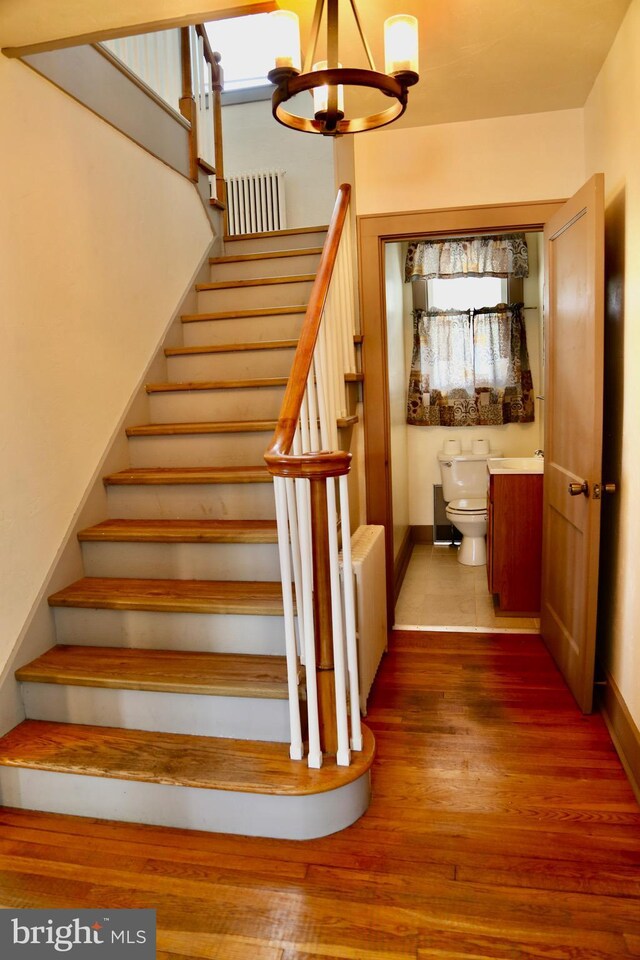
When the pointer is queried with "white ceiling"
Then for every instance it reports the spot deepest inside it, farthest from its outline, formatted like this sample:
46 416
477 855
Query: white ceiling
478 58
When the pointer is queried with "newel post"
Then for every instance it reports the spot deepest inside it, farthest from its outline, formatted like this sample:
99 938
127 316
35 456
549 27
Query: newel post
322 617
221 186
187 101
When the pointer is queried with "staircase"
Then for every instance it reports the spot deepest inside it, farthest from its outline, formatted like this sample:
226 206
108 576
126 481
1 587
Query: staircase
165 700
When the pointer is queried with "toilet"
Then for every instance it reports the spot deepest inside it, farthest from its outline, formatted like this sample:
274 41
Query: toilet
464 487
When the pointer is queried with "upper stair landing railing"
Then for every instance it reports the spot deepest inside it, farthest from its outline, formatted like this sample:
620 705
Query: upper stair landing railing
306 461
180 66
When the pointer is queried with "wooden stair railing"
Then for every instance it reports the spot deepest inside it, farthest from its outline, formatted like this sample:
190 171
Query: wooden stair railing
200 104
306 461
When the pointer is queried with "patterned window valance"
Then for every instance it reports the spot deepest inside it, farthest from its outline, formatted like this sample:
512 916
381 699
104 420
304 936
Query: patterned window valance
505 255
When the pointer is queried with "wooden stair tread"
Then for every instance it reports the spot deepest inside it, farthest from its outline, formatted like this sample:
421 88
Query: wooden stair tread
263 598
254 282
169 475
267 255
289 232
246 766
238 314
239 347
206 166
257 382
170 671
213 426
181 531
231 347
347 421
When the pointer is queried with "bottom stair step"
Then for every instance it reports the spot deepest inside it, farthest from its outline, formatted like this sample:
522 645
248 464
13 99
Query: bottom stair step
234 786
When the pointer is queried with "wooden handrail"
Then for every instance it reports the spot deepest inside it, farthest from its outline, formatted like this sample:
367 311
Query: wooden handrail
209 55
319 467
278 457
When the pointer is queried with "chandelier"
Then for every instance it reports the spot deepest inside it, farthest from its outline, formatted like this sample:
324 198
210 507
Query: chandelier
327 78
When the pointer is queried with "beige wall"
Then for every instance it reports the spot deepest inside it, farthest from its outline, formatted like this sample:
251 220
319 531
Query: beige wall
99 242
253 140
612 136
537 156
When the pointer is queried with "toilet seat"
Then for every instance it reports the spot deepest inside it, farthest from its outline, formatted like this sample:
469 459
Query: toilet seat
468 507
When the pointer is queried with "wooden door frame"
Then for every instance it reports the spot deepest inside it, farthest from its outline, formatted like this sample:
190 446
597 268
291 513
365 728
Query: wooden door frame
374 231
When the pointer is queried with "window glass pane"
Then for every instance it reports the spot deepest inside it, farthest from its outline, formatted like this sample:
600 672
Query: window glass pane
246 51
466 293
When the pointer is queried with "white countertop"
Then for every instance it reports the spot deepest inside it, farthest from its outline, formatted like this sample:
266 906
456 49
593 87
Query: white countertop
515 464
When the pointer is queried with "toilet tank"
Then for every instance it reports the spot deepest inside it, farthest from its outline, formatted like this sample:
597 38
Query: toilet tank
464 475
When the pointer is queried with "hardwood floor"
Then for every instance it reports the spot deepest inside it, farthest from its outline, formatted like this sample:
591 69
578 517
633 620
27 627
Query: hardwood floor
501 826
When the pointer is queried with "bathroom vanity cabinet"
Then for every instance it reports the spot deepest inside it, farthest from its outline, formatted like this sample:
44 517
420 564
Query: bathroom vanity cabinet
514 540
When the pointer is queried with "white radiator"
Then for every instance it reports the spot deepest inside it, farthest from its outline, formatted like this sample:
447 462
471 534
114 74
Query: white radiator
368 555
255 202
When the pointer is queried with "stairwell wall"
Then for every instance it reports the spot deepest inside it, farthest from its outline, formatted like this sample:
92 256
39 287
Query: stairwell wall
612 138
99 243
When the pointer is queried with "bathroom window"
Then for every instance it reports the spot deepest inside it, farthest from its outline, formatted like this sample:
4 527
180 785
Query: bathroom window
466 293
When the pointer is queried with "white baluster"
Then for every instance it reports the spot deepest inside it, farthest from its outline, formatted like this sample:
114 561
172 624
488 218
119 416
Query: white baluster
297 569
304 425
314 758
313 411
209 116
350 617
343 757
345 318
296 748
352 292
320 359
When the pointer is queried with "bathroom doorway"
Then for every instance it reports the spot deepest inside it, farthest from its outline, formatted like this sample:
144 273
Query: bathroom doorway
443 585
427 587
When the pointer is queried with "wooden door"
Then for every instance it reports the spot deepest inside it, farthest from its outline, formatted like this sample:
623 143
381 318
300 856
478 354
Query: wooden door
574 320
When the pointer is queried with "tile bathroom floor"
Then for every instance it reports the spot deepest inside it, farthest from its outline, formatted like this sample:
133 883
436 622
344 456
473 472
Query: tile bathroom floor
437 591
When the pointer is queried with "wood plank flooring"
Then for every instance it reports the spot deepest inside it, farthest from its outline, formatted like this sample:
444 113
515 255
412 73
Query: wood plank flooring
501 826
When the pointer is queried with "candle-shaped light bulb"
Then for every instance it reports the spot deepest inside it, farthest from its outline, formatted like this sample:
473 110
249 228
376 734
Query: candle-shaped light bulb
321 94
401 44
285 34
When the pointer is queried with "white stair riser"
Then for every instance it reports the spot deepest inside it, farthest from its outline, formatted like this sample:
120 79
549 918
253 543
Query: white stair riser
182 561
293 241
192 501
199 450
203 333
200 406
239 718
252 298
231 365
271 267
151 629
190 808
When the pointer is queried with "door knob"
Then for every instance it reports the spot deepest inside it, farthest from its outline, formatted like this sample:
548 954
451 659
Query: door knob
575 489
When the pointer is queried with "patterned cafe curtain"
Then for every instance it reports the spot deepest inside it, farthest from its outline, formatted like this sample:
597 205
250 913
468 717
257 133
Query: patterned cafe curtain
504 255
470 368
